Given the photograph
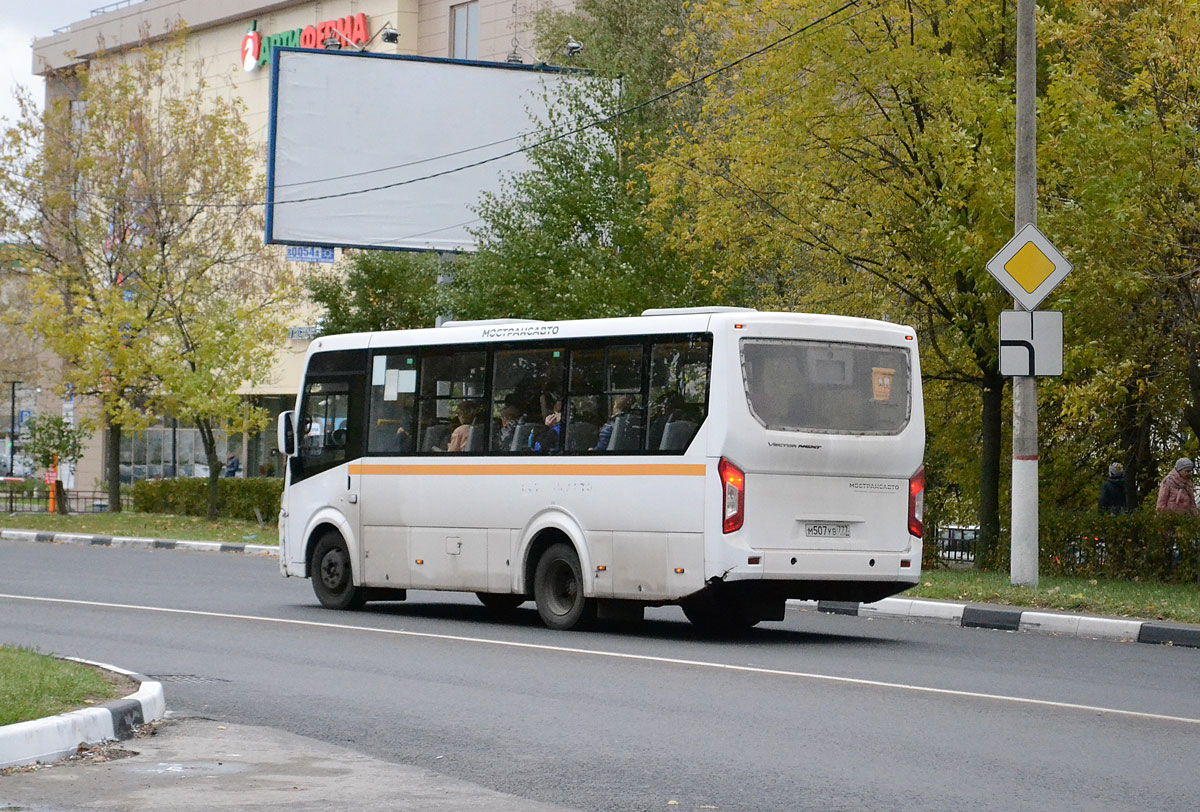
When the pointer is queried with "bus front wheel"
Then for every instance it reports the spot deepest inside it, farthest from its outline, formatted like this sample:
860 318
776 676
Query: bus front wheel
558 588
331 575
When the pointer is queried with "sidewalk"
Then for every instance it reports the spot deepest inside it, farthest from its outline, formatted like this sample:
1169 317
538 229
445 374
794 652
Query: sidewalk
193 764
971 615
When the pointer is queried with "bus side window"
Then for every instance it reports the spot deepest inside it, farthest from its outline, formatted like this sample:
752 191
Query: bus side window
450 400
393 389
606 391
678 393
324 425
526 411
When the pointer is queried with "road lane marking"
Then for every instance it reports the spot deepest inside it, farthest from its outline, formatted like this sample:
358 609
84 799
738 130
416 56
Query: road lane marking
744 669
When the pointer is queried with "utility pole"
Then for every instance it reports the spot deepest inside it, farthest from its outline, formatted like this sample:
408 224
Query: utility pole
12 427
1024 546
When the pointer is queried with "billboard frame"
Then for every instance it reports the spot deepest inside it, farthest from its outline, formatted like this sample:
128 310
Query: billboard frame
272 125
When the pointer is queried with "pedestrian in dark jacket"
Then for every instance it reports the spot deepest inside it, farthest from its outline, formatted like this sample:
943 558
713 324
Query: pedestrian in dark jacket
1112 492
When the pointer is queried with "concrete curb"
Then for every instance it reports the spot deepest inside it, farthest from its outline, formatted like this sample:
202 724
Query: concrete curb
1013 619
52 738
132 541
979 616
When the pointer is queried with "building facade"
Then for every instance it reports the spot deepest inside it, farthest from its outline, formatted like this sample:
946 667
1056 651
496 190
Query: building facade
230 43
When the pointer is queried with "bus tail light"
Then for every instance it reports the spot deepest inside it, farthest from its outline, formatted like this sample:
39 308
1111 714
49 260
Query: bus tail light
916 503
733 486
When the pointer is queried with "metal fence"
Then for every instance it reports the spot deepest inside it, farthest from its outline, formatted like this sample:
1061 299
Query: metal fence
38 501
957 543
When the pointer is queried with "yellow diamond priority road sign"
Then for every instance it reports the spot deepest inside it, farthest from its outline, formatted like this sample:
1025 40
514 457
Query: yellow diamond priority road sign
1029 267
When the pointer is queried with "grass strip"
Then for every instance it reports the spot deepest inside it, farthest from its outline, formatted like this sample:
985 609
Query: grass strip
34 685
1145 600
146 525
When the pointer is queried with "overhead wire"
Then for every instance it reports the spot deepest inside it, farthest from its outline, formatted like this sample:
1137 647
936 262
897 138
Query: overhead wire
541 142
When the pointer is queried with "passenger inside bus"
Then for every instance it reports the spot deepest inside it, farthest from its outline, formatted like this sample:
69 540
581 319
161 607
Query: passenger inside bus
544 437
506 430
460 438
614 434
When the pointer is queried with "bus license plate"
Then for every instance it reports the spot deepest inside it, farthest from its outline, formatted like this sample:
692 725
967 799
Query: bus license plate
827 530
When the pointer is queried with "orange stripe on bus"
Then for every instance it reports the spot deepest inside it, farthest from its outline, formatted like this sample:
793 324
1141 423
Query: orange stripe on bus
552 469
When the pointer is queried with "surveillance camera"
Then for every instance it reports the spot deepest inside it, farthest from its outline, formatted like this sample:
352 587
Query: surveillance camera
573 47
391 36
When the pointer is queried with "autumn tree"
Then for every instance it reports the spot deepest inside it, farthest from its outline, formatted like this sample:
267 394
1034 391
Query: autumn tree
376 290
862 162
863 165
54 443
142 196
1121 184
566 239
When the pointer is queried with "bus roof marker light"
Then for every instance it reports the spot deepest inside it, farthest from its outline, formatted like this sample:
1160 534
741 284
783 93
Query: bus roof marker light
679 570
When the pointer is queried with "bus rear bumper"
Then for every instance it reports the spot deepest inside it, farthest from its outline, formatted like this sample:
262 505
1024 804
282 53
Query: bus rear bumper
861 576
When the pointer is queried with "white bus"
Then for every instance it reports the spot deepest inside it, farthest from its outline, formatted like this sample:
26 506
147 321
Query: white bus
721 459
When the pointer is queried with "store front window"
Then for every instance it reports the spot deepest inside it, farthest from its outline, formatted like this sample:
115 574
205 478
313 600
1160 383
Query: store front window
172 448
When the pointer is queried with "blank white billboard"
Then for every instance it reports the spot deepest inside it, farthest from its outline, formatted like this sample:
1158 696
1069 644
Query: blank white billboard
376 150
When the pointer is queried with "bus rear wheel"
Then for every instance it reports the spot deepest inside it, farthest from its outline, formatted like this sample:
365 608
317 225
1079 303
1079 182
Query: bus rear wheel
558 588
499 602
332 577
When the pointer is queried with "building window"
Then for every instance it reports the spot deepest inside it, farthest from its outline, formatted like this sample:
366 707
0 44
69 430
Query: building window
464 31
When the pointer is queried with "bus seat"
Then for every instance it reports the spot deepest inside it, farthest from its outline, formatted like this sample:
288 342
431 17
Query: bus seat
677 434
475 437
654 436
581 435
435 437
626 433
520 440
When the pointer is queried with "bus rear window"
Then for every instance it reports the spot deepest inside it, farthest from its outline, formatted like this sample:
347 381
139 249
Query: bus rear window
825 386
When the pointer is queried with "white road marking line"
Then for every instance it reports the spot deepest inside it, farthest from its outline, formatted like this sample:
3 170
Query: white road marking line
745 669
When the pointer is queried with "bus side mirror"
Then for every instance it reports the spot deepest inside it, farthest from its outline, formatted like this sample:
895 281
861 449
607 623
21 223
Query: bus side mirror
287 434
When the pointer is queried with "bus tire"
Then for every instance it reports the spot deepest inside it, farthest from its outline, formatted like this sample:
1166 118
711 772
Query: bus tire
716 617
499 602
332 577
558 589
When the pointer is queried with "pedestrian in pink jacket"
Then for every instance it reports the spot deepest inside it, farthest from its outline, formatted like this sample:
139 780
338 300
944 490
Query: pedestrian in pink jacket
1175 494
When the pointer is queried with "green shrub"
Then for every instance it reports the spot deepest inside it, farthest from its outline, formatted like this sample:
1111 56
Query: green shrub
236 498
1140 545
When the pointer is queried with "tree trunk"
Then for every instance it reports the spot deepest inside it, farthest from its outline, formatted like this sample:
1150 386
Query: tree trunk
112 464
992 400
1140 477
208 439
60 498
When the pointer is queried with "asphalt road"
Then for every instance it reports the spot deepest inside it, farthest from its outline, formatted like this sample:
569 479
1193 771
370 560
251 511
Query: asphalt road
815 712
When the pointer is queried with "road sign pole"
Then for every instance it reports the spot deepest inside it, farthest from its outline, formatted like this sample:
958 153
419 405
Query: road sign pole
1023 569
